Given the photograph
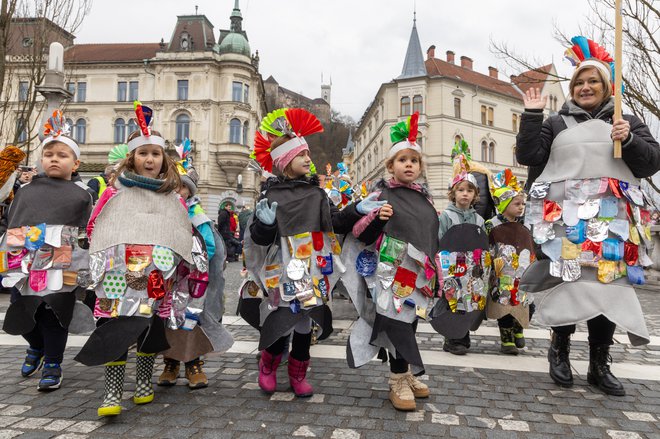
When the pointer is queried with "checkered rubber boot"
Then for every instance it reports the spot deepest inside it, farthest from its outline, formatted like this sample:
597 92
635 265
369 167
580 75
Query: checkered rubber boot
144 369
114 386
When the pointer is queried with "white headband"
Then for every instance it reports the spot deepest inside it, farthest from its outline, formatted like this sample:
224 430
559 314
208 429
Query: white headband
405 144
146 140
62 139
287 146
599 65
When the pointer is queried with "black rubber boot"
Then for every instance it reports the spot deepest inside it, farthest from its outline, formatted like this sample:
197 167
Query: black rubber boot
507 341
560 364
599 373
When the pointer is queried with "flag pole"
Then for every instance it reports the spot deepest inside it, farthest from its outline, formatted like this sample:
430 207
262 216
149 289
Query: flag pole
618 65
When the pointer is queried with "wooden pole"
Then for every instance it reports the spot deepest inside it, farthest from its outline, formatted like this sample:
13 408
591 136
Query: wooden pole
618 65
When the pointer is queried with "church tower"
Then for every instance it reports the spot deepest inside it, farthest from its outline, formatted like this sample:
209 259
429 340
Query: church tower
326 90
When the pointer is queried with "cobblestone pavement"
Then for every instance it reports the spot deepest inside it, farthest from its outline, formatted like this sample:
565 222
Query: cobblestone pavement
493 401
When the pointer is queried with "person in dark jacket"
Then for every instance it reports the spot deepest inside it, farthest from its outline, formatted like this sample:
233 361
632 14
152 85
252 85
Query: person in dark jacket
232 244
557 157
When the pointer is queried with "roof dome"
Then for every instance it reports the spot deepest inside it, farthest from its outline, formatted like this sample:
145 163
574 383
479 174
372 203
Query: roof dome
235 43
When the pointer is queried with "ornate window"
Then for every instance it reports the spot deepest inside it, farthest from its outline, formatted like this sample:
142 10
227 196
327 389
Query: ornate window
120 131
182 123
246 129
132 126
234 131
491 152
405 106
484 151
80 131
418 103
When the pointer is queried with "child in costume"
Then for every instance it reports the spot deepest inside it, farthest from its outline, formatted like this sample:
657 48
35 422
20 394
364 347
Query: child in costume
512 251
464 260
291 250
209 334
392 276
145 264
45 250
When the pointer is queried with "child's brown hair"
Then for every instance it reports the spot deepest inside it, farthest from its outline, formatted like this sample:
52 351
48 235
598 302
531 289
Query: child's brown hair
452 192
170 175
389 162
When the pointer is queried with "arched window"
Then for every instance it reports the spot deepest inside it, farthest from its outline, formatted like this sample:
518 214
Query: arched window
417 103
405 106
246 129
234 131
484 151
120 131
132 126
491 152
182 128
80 132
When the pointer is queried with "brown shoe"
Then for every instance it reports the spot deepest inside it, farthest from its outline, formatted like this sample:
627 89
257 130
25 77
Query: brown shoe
419 389
170 373
195 375
401 396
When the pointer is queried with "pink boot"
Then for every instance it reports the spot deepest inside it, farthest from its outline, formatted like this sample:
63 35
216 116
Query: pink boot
297 373
268 371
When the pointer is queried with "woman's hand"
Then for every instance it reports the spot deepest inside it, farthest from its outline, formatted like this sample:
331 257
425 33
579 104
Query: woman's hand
620 130
385 212
533 99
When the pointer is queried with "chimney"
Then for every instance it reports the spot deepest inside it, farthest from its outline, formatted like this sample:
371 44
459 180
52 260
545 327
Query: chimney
450 57
492 72
466 62
430 53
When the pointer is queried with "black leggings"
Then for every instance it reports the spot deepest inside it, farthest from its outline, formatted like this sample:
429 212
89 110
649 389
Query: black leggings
397 363
601 330
299 346
48 335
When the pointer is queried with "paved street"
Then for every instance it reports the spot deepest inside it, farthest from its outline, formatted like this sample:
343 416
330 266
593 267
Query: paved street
481 395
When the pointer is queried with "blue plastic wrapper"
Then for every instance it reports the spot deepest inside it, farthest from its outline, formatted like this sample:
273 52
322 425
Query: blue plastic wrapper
366 263
577 234
636 275
295 306
608 207
612 249
35 236
327 268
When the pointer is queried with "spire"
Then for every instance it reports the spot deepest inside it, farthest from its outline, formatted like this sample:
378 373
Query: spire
236 18
413 65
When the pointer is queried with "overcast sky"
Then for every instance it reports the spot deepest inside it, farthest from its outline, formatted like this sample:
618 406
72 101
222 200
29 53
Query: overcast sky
360 43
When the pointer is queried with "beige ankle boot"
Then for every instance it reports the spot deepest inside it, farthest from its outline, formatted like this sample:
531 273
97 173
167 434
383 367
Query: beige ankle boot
419 389
401 394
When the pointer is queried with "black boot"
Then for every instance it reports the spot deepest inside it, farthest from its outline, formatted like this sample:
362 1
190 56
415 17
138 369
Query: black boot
599 374
560 365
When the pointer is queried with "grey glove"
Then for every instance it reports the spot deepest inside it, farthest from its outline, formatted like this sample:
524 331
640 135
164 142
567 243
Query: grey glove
370 203
264 213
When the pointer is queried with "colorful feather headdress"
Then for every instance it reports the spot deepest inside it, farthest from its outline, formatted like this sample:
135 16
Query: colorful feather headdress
57 129
144 119
118 153
187 172
587 53
294 123
461 159
404 135
504 188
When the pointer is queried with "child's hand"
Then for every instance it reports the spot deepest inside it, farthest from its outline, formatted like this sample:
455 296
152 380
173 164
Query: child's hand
385 212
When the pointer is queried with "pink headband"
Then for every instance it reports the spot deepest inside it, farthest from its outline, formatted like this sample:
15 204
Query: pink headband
285 153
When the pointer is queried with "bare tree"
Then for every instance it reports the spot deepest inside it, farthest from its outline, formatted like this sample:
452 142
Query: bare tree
641 47
30 27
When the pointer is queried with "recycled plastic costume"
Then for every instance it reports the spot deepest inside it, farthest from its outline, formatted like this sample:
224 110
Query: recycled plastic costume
512 251
147 268
209 335
391 274
464 261
44 255
590 217
294 262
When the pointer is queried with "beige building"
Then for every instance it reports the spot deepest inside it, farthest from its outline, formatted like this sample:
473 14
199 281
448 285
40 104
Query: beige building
454 101
200 87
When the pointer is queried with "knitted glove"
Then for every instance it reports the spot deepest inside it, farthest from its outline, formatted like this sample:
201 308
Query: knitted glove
266 214
370 203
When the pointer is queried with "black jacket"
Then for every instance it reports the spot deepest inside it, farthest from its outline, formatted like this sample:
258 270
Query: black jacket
224 224
640 151
342 220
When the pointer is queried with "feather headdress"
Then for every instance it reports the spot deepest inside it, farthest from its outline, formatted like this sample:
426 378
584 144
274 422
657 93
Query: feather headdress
294 123
461 160
144 119
504 188
404 135
57 129
586 52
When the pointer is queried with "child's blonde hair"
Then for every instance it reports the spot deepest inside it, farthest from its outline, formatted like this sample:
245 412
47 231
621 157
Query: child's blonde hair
452 192
170 175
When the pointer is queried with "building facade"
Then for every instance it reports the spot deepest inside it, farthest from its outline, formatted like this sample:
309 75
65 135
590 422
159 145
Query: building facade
202 88
454 102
